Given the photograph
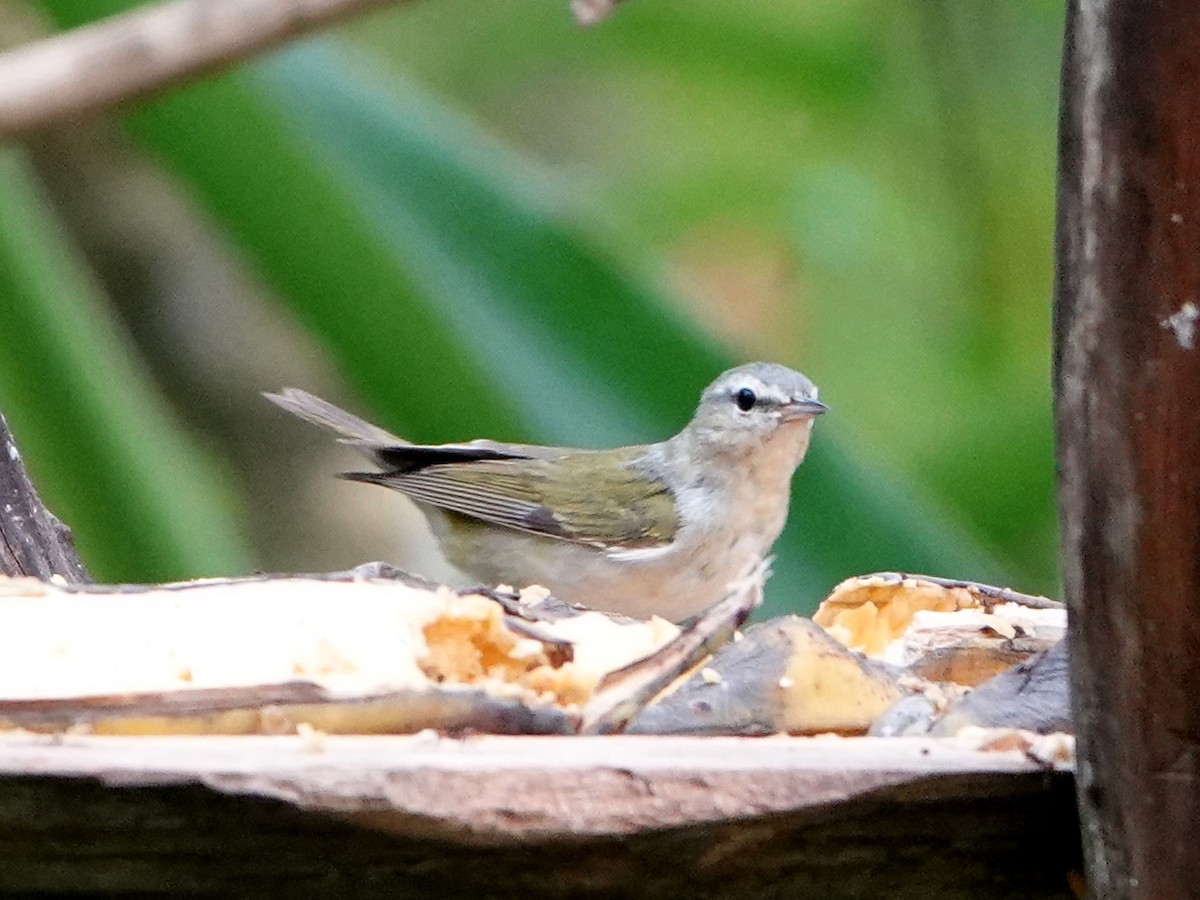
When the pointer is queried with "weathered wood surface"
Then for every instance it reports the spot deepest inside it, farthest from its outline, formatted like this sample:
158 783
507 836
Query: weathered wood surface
530 817
1127 388
32 541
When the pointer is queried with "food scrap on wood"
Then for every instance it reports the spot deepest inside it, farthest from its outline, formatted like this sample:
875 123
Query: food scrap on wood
376 651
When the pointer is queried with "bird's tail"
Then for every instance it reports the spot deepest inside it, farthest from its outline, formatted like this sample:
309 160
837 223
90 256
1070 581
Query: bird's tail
321 412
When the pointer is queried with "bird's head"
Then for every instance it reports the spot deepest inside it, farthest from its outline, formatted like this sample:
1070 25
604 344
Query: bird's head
753 405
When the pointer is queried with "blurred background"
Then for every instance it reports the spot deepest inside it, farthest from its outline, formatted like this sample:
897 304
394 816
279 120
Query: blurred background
470 219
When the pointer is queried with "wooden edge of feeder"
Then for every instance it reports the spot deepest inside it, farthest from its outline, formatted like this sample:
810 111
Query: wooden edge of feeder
499 789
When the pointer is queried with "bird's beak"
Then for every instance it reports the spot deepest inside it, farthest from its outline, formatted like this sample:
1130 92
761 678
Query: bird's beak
802 409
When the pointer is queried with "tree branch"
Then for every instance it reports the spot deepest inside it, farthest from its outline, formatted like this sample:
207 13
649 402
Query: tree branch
32 541
98 66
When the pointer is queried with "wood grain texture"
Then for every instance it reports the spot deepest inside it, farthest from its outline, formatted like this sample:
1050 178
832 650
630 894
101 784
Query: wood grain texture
530 817
32 541
1127 388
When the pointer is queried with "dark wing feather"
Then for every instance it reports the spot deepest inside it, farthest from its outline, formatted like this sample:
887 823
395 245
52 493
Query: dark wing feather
400 459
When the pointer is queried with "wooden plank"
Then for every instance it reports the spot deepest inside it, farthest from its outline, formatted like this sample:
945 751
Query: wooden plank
531 817
1127 388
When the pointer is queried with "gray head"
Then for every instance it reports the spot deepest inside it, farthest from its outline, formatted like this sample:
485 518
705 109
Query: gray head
754 401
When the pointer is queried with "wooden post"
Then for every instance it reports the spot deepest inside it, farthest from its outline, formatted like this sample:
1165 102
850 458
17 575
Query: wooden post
1127 390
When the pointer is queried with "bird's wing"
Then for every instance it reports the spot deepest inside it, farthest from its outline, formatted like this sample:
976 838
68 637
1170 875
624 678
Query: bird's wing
620 504
607 506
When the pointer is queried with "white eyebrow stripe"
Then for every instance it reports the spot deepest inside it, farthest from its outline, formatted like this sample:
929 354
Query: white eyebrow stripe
764 391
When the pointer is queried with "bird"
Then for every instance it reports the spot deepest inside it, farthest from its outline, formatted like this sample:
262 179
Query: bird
656 529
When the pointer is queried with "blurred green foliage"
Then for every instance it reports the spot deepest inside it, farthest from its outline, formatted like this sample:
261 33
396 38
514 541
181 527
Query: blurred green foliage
498 223
105 445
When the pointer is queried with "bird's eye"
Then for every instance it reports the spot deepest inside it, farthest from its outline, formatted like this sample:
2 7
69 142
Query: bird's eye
745 399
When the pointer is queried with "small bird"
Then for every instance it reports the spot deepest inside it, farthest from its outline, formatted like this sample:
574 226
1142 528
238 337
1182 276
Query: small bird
654 529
